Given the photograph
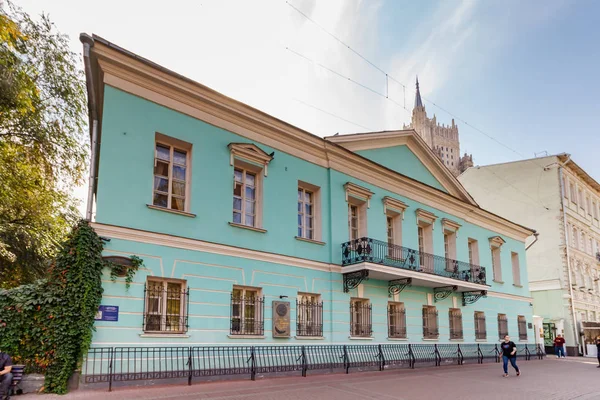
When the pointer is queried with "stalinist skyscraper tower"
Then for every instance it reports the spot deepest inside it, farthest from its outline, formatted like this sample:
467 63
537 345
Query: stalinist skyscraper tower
442 139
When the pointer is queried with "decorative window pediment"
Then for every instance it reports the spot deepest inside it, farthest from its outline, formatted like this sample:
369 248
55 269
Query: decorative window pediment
425 216
450 225
394 205
358 192
249 152
496 241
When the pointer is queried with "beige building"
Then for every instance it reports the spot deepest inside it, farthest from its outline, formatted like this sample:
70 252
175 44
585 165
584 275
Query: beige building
562 202
442 139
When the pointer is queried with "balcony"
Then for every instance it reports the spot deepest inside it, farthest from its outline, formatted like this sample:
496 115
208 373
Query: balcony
390 262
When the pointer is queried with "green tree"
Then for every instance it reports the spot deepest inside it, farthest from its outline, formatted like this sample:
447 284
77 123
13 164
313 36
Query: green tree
42 142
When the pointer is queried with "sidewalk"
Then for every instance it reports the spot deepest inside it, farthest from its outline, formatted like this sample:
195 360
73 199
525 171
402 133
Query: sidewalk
467 382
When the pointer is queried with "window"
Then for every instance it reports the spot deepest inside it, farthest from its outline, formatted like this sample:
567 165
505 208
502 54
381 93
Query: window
590 245
580 198
249 165
430 322
595 208
247 311
573 193
589 205
165 308
574 238
473 256
394 210
171 174
502 326
360 318
358 199
305 214
496 243
425 221
396 320
522 327
516 269
309 309
456 326
480 328
565 187
450 229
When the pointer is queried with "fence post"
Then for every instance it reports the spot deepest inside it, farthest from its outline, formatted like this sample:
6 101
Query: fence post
527 353
381 359
460 355
304 363
411 356
110 368
346 360
190 366
438 357
497 353
252 364
479 354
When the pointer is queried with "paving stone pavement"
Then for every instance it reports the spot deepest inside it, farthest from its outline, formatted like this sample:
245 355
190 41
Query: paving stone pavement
550 379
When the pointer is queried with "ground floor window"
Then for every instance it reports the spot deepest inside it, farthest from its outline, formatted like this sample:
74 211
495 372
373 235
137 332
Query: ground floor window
522 327
309 315
396 320
360 318
480 329
456 325
502 326
247 311
166 305
430 322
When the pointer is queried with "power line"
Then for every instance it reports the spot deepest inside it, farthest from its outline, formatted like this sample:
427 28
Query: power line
333 115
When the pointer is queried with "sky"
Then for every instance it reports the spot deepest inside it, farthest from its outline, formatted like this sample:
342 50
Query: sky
520 77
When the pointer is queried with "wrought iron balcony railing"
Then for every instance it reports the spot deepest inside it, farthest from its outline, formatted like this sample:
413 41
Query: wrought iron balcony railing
379 252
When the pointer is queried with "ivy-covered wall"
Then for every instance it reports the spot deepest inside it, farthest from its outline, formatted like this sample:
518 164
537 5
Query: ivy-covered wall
47 326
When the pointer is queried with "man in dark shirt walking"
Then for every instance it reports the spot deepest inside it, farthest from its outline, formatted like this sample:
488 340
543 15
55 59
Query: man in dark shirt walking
559 348
509 353
5 375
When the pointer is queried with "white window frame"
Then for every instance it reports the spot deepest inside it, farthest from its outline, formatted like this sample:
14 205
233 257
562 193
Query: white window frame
496 243
516 268
392 316
173 145
355 329
359 197
310 298
315 192
243 199
162 306
259 318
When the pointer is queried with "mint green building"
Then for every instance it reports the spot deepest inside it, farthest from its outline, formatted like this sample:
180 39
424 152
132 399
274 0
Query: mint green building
253 231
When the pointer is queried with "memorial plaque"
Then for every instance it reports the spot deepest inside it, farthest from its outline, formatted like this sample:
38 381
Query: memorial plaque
281 319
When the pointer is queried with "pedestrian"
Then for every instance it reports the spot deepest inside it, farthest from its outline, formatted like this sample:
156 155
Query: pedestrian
559 348
598 349
509 353
6 376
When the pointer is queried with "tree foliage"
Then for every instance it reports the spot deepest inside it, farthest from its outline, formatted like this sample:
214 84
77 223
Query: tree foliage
42 142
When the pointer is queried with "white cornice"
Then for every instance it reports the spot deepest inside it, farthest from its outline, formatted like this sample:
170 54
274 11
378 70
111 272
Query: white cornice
131 74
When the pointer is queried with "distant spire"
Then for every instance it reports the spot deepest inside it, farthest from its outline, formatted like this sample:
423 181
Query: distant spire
418 101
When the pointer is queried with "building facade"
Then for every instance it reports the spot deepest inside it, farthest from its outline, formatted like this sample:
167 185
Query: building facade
253 231
563 267
442 139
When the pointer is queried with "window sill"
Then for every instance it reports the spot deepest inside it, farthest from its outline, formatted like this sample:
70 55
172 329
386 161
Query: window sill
457 340
481 340
360 338
398 339
309 337
250 228
165 335
246 336
523 341
310 241
185 214
519 286
431 339
501 282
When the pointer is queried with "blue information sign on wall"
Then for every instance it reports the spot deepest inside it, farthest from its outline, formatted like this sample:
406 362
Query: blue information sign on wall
107 313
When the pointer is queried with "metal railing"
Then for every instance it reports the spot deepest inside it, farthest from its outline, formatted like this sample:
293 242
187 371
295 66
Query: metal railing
430 323
360 319
456 325
480 328
118 365
309 318
247 315
165 310
379 252
396 321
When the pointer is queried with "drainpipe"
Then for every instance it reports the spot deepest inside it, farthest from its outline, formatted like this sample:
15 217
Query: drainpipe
88 43
564 211
535 239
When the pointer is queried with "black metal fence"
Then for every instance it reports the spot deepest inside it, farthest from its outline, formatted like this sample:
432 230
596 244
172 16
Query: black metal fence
112 365
379 252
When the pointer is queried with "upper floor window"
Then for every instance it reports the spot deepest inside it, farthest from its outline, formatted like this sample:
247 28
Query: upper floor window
595 208
358 199
394 212
516 269
247 311
456 325
309 315
565 187
306 208
573 193
425 222
450 230
496 243
574 238
480 328
249 166
473 252
580 198
166 304
589 205
396 320
360 318
171 173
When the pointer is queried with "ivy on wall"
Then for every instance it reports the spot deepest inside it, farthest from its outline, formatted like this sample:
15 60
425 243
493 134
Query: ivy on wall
48 325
